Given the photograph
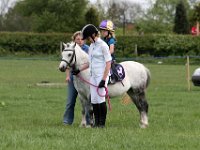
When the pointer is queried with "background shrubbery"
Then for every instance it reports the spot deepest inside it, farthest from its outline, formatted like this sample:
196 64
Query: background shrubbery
159 45
147 45
32 43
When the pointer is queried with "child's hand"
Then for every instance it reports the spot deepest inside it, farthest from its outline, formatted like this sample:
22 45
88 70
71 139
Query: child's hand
67 79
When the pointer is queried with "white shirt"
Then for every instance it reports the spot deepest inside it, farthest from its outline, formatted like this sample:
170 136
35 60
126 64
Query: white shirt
99 54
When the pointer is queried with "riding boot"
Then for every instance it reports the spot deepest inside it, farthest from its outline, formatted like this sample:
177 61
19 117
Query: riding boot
96 110
103 113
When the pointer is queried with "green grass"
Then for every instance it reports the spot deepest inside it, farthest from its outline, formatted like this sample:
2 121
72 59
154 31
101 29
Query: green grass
32 116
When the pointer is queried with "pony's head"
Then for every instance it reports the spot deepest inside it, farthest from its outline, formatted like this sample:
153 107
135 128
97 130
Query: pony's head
68 56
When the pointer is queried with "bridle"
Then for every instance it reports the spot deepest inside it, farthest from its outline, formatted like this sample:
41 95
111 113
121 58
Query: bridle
72 57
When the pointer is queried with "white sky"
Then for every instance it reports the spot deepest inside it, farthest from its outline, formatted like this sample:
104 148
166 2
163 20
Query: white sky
137 1
145 3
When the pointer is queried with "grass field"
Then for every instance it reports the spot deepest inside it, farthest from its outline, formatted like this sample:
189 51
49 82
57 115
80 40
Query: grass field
31 115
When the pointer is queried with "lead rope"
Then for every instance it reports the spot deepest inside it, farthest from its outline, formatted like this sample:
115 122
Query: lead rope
106 89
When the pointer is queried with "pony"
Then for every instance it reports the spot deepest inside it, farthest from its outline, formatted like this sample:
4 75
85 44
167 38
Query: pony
135 83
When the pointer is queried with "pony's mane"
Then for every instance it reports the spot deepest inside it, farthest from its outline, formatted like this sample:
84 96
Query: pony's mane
79 52
80 49
83 56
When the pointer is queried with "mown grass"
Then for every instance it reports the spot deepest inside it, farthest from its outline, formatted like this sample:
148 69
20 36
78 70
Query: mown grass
32 116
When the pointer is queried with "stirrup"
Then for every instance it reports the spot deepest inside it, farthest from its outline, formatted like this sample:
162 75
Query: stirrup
111 81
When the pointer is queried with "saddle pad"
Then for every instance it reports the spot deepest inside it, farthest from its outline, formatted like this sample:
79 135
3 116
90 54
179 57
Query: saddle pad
118 72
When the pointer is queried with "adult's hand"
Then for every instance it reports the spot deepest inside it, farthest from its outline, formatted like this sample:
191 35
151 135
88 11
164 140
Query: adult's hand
75 72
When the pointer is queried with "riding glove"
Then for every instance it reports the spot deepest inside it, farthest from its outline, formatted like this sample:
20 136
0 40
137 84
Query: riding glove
75 72
102 84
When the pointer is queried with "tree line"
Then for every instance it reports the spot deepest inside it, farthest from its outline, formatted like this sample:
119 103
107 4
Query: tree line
70 15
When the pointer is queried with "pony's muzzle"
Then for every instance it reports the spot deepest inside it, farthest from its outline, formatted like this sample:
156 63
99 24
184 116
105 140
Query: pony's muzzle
62 67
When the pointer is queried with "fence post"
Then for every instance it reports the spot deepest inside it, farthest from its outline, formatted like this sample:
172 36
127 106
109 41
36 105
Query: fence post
61 47
136 50
188 72
197 27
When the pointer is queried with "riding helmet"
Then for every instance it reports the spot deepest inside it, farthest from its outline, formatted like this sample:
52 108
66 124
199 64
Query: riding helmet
88 31
107 25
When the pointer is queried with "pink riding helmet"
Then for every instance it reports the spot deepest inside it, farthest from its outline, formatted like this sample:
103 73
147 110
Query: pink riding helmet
107 25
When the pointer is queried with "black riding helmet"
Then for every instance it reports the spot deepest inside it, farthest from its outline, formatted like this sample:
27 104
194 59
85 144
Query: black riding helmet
88 31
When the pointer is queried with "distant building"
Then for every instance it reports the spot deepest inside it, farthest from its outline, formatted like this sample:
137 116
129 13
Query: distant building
130 26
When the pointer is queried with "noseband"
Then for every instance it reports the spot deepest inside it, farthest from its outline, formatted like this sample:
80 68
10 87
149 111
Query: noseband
72 57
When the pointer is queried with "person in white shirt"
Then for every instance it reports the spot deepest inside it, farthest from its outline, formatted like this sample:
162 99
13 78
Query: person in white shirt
99 63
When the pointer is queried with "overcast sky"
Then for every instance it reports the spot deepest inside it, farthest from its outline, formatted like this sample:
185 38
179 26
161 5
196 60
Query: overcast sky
144 3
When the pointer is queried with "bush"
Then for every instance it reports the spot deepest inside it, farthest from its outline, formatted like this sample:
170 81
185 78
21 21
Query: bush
151 45
158 45
32 42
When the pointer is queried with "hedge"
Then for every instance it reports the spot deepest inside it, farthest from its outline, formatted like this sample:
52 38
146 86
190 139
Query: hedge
159 45
47 43
153 45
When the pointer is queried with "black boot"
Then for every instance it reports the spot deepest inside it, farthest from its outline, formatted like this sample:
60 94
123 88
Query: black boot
96 110
103 113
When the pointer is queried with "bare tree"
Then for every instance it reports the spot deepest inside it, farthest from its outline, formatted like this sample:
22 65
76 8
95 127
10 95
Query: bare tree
129 12
121 11
113 12
124 13
193 3
4 6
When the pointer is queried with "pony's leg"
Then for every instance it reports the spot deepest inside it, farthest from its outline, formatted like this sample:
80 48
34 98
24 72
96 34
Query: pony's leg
140 101
90 110
83 120
89 115
144 109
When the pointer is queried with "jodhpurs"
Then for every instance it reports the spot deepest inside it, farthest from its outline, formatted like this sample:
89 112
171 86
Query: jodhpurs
97 97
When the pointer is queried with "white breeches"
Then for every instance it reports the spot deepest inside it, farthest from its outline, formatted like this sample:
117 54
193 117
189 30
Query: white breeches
97 97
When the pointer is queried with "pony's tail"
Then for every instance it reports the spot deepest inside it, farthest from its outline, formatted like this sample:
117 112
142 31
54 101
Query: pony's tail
148 77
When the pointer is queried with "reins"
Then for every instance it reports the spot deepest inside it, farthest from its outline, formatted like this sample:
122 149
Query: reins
106 89
82 79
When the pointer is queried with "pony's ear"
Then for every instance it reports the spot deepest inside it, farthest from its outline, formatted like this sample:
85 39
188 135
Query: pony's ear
65 45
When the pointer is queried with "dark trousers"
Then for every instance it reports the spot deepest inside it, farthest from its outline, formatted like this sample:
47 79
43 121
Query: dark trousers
100 112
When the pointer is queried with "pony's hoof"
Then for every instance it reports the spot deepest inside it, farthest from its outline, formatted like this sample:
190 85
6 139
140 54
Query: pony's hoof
143 126
88 126
82 125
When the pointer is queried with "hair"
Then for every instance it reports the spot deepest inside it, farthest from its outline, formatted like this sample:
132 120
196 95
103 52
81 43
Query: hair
98 34
77 33
112 34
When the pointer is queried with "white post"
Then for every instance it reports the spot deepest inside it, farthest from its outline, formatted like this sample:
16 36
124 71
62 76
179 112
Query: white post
61 47
188 73
197 28
136 50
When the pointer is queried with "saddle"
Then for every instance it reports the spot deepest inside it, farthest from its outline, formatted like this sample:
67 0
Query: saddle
117 73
